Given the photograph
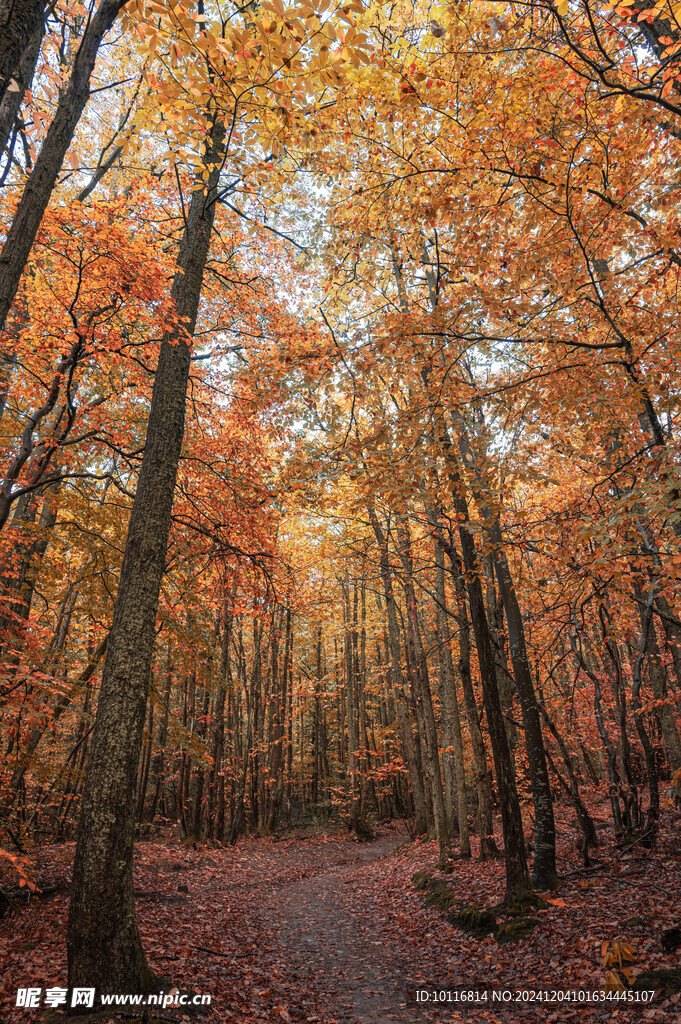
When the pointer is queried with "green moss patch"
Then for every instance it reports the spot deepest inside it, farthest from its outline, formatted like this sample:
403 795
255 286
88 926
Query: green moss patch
479 921
524 903
515 928
421 880
666 980
440 897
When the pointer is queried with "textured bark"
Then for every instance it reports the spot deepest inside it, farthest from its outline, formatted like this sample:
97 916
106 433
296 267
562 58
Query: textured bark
43 177
19 20
103 942
517 878
544 874
10 103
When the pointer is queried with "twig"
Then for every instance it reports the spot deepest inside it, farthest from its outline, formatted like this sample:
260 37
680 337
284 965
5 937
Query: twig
14 839
215 952
644 835
650 885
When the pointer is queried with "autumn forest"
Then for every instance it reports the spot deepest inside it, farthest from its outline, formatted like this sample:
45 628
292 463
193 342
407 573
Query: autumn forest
340 509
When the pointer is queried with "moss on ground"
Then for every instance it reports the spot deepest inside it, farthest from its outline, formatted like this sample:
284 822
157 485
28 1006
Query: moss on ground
666 980
421 880
522 904
479 921
440 897
515 928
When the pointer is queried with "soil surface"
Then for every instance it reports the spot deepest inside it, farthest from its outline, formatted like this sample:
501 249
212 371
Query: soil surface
363 979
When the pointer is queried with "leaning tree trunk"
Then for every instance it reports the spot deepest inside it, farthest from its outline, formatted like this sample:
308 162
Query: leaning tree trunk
23 78
43 178
103 942
19 20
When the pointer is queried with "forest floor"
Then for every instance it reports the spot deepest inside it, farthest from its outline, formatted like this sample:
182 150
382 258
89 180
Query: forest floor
319 928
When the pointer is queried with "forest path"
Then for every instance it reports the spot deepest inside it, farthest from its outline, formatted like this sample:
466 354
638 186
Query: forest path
335 942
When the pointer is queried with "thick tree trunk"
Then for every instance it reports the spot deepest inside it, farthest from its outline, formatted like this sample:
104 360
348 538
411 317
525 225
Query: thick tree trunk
104 946
23 77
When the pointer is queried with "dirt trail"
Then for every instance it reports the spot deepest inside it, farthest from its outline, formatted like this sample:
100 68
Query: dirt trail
342 950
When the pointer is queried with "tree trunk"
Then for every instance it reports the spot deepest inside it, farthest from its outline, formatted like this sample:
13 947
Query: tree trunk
397 680
517 878
423 696
103 942
488 847
19 20
544 874
43 178
450 701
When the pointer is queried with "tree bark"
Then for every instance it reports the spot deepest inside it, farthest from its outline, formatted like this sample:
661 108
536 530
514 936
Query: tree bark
19 19
544 875
43 178
103 942
397 679
450 702
517 878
